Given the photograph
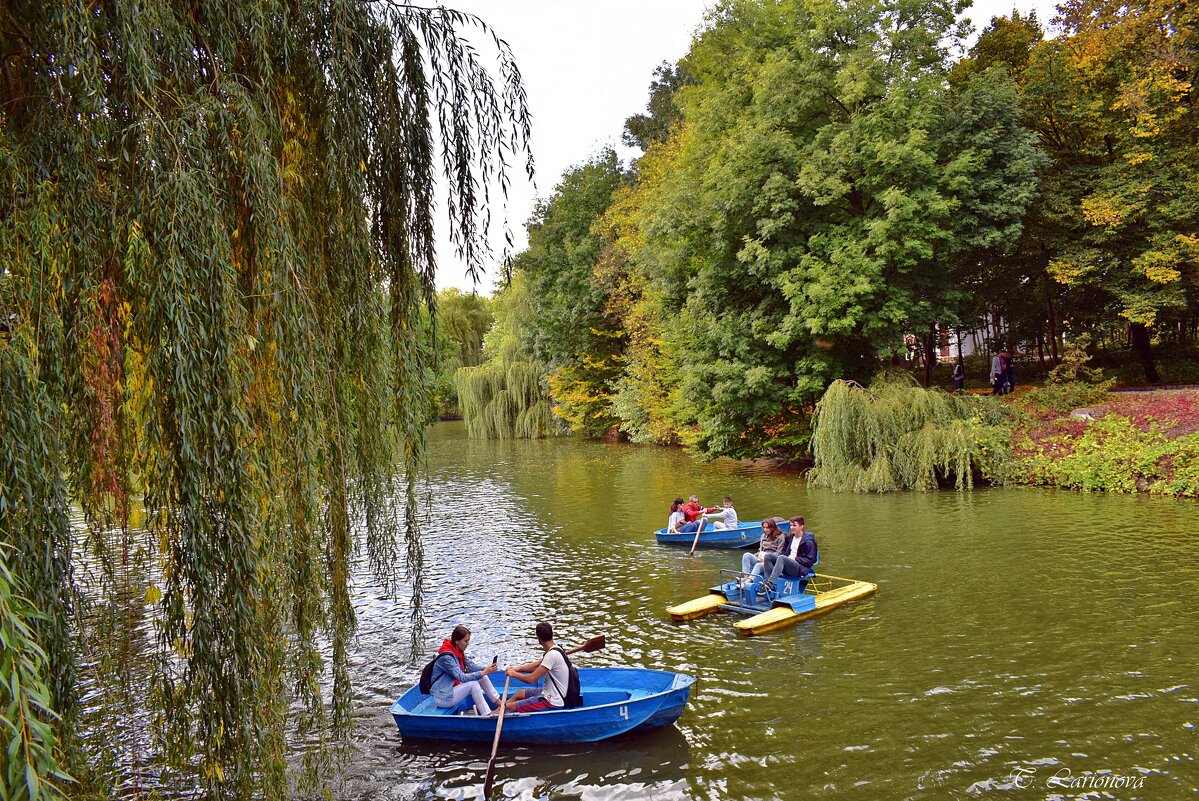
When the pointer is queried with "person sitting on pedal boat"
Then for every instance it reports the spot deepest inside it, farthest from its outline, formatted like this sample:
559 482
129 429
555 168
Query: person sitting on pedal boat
796 558
752 564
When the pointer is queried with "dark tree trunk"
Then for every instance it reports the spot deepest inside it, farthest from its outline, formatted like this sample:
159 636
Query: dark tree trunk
1139 335
930 354
1041 350
1053 333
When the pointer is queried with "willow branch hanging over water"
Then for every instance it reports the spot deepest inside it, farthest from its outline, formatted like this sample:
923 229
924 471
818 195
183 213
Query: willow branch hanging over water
897 435
217 237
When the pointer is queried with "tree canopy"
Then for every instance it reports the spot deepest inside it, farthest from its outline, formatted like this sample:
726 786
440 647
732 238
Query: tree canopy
828 187
814 191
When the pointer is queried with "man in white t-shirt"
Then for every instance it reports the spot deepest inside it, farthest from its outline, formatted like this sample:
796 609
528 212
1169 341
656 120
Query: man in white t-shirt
552 666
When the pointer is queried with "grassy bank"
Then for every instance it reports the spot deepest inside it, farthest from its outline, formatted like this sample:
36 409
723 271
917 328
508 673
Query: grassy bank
1129 442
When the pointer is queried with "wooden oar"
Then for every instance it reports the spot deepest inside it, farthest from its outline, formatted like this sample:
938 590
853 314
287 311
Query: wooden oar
594 644
495 745
697 531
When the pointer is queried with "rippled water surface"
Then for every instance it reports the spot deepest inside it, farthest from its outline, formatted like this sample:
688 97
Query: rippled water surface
1052 632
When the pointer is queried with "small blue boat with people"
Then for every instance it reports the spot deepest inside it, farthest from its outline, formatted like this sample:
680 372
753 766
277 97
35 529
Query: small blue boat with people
745 535
616 701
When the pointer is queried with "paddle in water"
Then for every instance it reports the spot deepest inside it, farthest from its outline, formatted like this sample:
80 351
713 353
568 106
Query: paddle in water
594 644
495 744
697 531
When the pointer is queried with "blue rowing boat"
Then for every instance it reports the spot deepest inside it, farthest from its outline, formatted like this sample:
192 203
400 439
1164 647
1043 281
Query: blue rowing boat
745 535
616 701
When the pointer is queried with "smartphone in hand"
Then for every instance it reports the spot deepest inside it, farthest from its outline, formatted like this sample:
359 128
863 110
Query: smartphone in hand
495 659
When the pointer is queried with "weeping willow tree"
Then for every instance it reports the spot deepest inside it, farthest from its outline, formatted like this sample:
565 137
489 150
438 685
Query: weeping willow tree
897 435
216 240
506 396
31 758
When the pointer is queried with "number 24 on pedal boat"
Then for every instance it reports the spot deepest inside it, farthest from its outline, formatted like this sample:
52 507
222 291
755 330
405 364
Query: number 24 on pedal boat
793 600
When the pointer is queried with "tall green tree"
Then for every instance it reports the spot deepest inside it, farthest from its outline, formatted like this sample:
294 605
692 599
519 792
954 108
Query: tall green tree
576 336
662 111
829 183
216 238
1113 100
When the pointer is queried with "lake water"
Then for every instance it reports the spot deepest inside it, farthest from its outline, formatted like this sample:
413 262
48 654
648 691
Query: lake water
1019 638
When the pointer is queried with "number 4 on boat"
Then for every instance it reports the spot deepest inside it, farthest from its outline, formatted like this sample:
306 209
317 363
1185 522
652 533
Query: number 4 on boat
793 600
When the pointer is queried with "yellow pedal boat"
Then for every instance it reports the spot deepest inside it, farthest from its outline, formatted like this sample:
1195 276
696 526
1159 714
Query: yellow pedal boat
793 600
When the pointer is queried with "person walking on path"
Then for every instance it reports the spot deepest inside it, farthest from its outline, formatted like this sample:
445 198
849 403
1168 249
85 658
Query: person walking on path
959 377
997 375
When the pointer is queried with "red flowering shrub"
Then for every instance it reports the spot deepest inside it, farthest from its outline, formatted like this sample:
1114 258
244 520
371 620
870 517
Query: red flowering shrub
1134 442
1175 412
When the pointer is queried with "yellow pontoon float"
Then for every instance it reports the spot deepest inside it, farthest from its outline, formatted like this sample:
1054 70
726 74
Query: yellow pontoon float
793 600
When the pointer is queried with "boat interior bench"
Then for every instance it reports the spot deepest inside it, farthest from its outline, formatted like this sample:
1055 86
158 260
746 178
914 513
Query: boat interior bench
428 706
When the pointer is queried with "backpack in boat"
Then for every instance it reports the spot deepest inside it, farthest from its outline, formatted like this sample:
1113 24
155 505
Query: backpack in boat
426 676
573 696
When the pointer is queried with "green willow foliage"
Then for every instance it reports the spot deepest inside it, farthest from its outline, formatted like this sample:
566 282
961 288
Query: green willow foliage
505 397
896 435
504 401
31 763
217 239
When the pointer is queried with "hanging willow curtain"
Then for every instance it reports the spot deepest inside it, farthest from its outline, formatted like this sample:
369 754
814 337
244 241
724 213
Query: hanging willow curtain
217 235
896 435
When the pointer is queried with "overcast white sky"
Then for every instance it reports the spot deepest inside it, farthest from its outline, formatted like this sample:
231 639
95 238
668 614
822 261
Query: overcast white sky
587 66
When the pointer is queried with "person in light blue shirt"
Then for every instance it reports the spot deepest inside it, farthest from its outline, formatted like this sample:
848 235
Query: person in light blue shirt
725 518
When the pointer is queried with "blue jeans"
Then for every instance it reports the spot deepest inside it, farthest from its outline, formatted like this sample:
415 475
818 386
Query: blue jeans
751 565
689 528
777 564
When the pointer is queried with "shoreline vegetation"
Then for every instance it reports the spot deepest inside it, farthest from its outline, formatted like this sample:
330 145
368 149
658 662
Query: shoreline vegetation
895 435
811 207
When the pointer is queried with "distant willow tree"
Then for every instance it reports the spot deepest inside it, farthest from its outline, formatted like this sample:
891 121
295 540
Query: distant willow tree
506 396
896 435
216 240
